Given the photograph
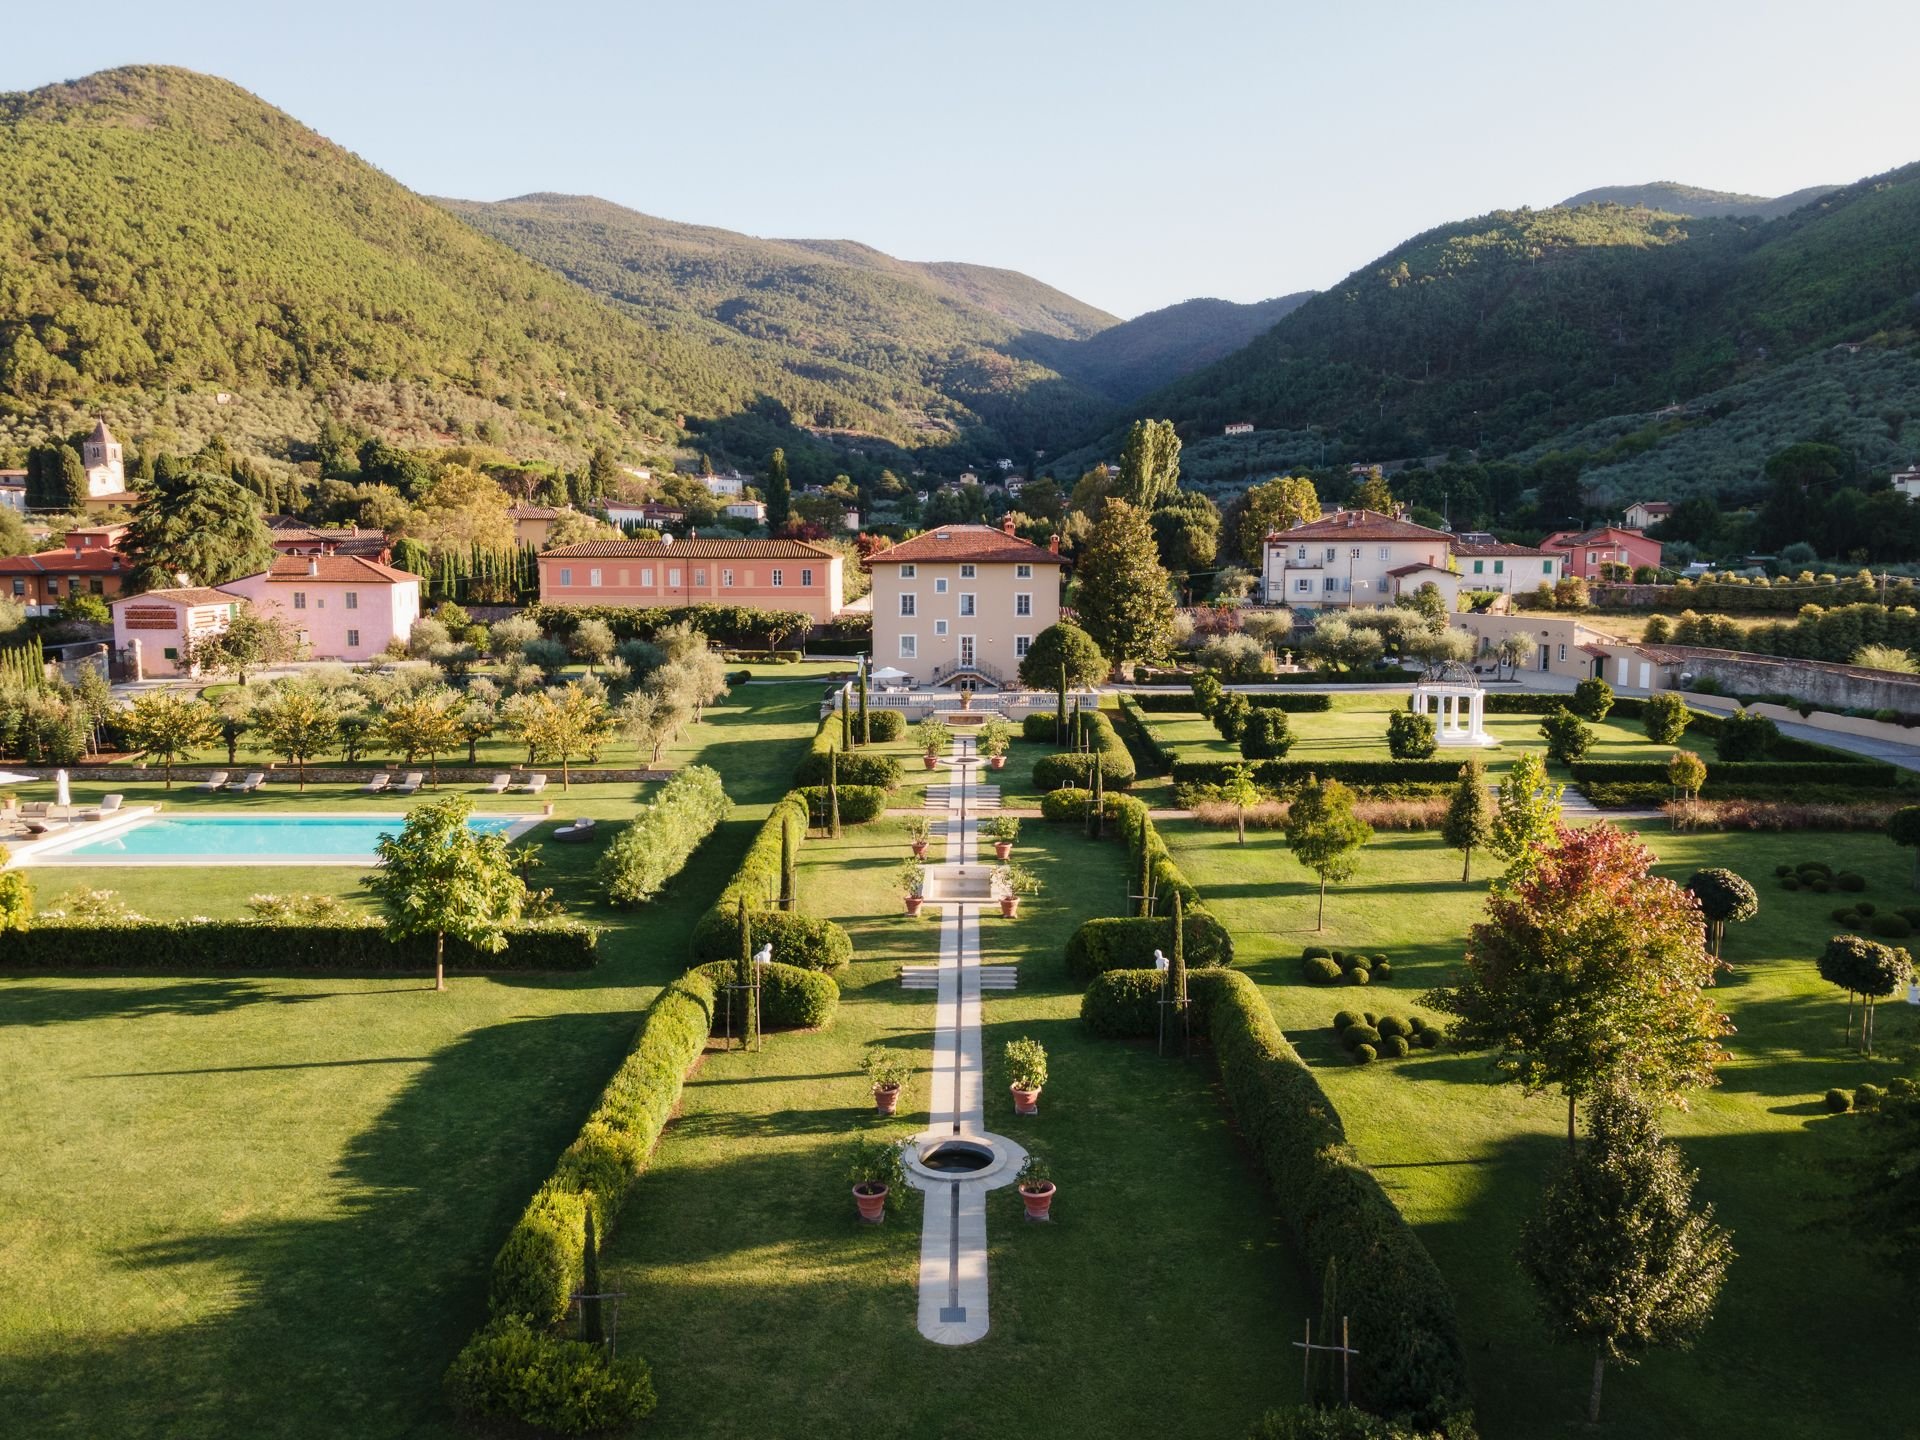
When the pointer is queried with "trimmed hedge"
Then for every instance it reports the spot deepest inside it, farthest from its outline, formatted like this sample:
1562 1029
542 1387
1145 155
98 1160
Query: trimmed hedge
803 940
543 1260
1147 747
1181 702
1040 727
790 998
1109 943
512 1372
884 725
855 767
1285 774
657 843
1124 1004
153 946
859 804
1117 772
1411 1359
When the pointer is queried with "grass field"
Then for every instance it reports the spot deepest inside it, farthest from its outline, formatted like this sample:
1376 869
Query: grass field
1156 1302
1465 1157
265 1206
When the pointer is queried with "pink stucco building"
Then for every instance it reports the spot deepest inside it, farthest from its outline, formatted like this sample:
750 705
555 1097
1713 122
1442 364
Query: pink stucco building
155 631
765 574
346 607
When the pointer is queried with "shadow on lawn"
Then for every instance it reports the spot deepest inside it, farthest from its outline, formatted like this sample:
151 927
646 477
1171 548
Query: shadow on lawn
26 1001
341 1325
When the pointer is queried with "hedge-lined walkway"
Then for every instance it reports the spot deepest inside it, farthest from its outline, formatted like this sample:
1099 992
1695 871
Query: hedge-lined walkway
267 1206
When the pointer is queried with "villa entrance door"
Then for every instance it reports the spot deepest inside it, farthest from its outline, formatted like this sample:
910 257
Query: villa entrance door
966 650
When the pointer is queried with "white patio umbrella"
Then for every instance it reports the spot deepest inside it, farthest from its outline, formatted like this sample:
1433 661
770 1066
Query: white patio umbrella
62 791
889 673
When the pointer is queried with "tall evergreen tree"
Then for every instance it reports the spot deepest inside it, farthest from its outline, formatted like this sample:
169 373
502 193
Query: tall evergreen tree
778 492
71 490
866 728
1469 823
1177 969
1124 601
1149 464
204 526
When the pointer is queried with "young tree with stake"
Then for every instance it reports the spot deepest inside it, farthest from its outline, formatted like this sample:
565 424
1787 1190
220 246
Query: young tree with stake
1326 836
1469 823
439 877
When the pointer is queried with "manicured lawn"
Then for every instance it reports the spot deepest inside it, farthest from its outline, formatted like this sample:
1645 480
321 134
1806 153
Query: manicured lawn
1157 1302
265 1206
1465 1156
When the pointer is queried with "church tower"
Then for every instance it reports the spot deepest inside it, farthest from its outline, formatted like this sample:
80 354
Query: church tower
106 469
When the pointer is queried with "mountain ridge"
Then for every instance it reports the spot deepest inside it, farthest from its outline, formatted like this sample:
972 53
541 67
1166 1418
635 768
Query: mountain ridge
1695 202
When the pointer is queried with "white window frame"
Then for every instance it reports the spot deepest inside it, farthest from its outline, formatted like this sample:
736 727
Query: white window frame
939 629
566 575
909 604
909 647
779 579
673 579
907 572
726 579
353 639
966 572
1023 572
353 599
1333 552
806 579
969 604
1563 652
1300 554
594 578
1386 553
940 585
1021 644
299 598
1023 604
646 576
1304 585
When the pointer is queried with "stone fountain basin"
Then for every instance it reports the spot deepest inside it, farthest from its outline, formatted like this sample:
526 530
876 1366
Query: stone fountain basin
940 1157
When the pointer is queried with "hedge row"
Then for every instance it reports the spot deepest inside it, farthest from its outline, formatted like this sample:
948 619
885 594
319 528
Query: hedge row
1112 943
1151 756
733 626
855 767
1729 777
1105 748
803 940
859 804
790 998
1181 702
657 843
1124 1004
145 946
1404 1327
1283 774
1625 707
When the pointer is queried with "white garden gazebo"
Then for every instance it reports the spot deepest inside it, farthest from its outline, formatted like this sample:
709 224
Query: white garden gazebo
1458 704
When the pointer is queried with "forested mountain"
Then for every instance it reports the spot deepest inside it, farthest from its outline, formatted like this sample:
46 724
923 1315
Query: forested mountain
1499 333
1696 203
1150 350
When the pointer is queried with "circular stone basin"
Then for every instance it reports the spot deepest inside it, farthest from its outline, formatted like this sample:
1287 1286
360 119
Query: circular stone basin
957 1157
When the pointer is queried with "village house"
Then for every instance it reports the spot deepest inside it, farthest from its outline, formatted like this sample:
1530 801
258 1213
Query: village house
962 603
1240 427
291 537
750 510
1563 646
532 523
345 607
1906 481
732 484
1350 557
1508 569
88 564
764 574
1589 552
154 632
1645 514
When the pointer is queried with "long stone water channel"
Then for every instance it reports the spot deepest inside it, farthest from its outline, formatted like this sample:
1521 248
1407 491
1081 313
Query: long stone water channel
956 1161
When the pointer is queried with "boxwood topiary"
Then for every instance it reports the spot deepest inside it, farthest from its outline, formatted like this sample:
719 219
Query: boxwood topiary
1806 869
1316 952
1868 1097
1839 1102
1123 1004
510 1371
1393 1025
1382 969
1781 871
1432 1037
887 724
1393 1046
1365 1054
1322 971
1790 882
790 998
1359 1035
1359 975
1819 886
1865 907
1890 927
1850 880
1844 917
1343 1018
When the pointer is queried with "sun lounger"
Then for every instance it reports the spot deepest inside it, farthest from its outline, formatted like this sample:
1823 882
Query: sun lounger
410 783
106 807
378 783
498 785
578 831
535 784
253 782
216 781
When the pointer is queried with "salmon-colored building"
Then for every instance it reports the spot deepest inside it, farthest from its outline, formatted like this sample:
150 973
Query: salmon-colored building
88 565
345 607
765 574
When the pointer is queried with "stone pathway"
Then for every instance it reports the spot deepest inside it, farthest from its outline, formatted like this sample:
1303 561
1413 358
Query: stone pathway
953 1242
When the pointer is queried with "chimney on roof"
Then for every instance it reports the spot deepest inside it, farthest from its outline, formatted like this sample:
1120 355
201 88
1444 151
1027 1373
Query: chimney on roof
1053 543
1006 524
313 566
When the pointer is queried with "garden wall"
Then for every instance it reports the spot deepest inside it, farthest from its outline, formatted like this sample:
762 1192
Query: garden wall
1740 672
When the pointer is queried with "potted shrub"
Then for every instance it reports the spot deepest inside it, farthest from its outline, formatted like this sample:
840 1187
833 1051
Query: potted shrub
1036 1188
1010 882
1003 830
1027 1068
874 1168
919 828
995 737
913 880
887 1072
934 737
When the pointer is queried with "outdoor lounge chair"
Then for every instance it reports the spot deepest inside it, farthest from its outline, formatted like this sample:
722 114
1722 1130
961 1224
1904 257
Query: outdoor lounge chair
534 785
108 804
216 781
578 831
410 782
378 783
498 785
257 780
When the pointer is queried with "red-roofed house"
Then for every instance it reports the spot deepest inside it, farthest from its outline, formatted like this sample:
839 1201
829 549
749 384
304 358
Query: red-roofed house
346 607
290 537
154 632
88 565
1347 558
1507 568
1645 514
962 602
1589 551
764 574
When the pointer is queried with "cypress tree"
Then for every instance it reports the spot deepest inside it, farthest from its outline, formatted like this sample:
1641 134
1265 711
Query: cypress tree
833 793
593 1327
1146 884
866 729
71 490
1177 970
787 876
743 979
1324 1365
1060 712
846 723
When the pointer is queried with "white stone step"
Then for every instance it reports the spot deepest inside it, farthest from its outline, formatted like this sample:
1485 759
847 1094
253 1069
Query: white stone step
992 977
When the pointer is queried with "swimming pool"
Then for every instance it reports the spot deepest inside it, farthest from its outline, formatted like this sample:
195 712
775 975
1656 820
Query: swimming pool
339 839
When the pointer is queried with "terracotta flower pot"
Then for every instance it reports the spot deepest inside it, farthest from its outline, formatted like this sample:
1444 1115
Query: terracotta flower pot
914 902
1003 848
919 849
930 761
872 1202
1038 1202
1025 1102
1009 906
885 1097
998 762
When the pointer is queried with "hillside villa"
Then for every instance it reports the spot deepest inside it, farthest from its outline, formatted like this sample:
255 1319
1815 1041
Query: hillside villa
1564 646
962 603
1589 552
346 607
1645 514
88 564
1350 557
764 574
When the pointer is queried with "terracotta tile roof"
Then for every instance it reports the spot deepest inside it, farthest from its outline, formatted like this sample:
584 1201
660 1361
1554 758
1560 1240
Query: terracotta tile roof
533 512
1497 547
333 570
1653 507
1358 525
1402 571
1604 535
96 560
185 594
697 549
975 544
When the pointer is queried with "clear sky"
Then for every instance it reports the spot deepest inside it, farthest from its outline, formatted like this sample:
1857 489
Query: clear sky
1132 154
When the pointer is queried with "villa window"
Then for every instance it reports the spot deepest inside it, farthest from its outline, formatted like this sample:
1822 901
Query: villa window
1331 583
1332 553
19 587
1023 572
353 599
1023 605
907 601
171 653
806 579
1305 587
593 578
966 572
566 575
1479 567
299 599
1385 553
1593 557
1499 567
1021 644
779 577
353 639
939 629
1546 567
94 587
673 579
1301 553
1354 553
699 577
940 587
726 579
1563 652
906 572
966 603
909 647
646 576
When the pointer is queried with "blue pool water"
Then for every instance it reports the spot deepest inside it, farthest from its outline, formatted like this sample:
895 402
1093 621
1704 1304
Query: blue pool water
256 837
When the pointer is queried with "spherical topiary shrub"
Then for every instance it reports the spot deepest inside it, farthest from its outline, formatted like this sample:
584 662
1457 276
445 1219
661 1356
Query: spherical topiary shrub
1909 913
1808 868
1359 975
1782 871
1322 971
1839 1102
1866 907
1365 1054
1393 1025
1383 969
1341 957
1890 927
1791 882
1417 1023
886 724
1359 1035
1369 1017
1433 1037
1393 1046
1844 917
1850 880
1316 952
1868 1097
1901 1088
1819 886
1342 1019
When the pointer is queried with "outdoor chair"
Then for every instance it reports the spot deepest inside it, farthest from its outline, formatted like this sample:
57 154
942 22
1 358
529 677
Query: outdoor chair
578 831
216 781
535 784
256 781
410 783
498 785
378 783
108 804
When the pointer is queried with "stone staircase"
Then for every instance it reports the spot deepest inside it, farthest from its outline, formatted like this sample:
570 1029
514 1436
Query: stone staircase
984 797
992 977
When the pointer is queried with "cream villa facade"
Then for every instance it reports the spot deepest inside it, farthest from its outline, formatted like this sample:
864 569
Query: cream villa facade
962 603
1350 557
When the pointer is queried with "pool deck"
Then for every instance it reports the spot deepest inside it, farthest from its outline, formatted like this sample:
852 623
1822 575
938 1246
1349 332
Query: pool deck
56 847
